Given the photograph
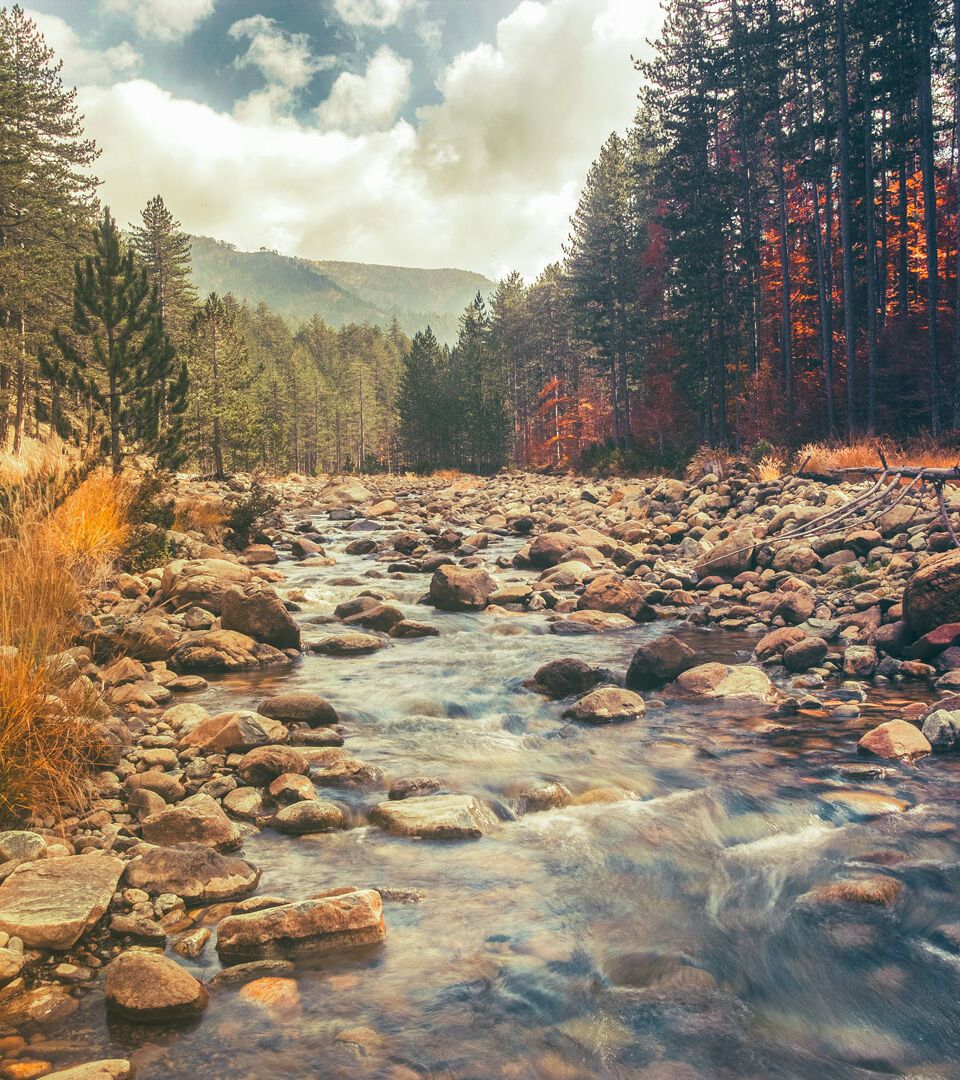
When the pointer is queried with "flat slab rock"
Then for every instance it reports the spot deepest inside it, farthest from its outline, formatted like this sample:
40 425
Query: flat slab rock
107 1069
320 924
437 817
48 904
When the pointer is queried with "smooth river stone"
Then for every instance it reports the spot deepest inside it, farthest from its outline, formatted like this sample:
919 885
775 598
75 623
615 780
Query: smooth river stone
107 1069
322 924
48 904
437 817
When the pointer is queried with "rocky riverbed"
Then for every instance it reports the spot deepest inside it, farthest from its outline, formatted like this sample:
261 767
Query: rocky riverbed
522 777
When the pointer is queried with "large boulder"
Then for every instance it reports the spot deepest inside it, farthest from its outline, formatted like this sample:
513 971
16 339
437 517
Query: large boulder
234 732
461 588
192 871
50 903
197 820
256 610
560 678
262 765
658 662
204 582
610 592
345 493
729 557
225 650
942 729
895 739
437 817
738 682
151 988
932 596
150 637
323 924
300 708
607 705
549 548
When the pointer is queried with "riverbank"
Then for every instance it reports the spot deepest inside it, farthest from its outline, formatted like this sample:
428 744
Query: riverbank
568 756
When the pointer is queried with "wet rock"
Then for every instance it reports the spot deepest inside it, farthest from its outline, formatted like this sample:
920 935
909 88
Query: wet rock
658 662
561 678
235 732
895 739
151 988
592 621
43 1005
805 654
609 592
411 628
105 1069
933 643
336 767
193 872
326 924
942 730
859 661
879 890
192 945
197 820
727 681
264 764
308 816
437 817
49 904
349 644
550 796
606 705
141 929
932 596
244 802
776 642
409 786
459 588
548 549
256 610
259 555
292 787
299 708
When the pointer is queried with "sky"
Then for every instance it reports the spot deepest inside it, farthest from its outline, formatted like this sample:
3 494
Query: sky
412 132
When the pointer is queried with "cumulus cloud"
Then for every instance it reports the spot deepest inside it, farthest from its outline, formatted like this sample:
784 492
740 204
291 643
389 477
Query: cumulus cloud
485 179
82 65
165 20
378 14
371 101
286 62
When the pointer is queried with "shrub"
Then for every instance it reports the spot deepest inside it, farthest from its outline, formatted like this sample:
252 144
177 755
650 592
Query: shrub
250 513
147 505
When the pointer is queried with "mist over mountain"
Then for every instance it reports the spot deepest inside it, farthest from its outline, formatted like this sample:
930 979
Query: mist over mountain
339 292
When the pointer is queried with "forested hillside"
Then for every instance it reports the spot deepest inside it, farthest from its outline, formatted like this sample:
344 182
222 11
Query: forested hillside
339 292
769 255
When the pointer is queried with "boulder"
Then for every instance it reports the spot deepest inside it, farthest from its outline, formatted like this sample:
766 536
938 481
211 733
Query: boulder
106 1069
299 708
550 548
264 764
942 729
610 592
345 493
348 644
259 555
50 903
201 581
148 638
256 610
191 871
658 662
729 557
20 846
727 681
324 924
895 739
224 650
777 642
461 588
197 820
933 643
561 678
932 596
308 816
606 705
437 817
804 654
859 661
145 986
235 732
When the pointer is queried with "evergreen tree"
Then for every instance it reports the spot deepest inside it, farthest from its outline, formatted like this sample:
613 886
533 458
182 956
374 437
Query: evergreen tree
118 334
419 401
479 392
165 251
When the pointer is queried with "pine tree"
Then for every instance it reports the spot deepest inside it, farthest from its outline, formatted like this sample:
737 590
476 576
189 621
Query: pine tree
118 334
479 392
419 401
46 195
165 251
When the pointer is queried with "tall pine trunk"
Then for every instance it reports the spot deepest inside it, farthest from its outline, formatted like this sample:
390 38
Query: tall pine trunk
925 102
846 214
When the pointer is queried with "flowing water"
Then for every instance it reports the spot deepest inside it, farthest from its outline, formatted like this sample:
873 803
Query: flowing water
660 935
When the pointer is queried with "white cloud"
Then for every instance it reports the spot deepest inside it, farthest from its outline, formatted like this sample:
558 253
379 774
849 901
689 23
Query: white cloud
485 179
378 14
165 20
82 65
371 101
285 60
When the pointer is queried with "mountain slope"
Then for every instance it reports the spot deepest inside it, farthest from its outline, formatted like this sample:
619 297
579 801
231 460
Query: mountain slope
339 292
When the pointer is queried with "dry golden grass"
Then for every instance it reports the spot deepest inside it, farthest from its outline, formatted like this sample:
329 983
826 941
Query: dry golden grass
708 460
822 458
770 467
208 516
54 543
